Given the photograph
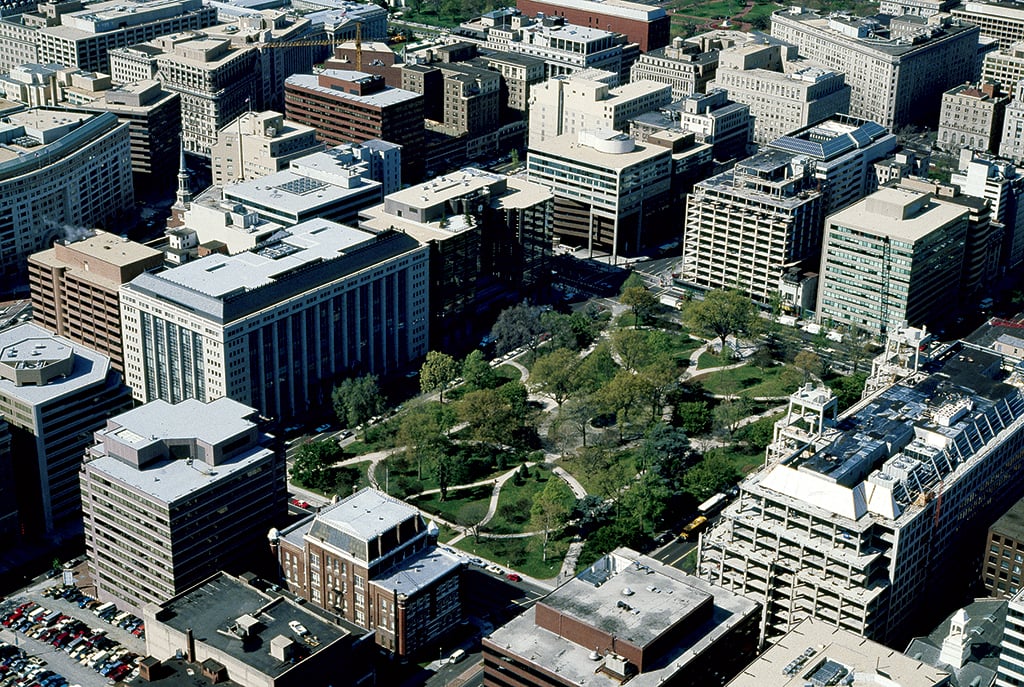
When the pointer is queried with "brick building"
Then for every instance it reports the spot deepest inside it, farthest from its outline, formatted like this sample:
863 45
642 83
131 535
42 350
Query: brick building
972 117
372 560
353 107
646 25
1004 553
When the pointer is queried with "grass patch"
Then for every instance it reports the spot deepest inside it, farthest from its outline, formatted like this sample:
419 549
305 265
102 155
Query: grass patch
476 463
520 553
689 562
508 373
456 501
709 359
593 476
749 382
446 534
375 438
515 501
745 459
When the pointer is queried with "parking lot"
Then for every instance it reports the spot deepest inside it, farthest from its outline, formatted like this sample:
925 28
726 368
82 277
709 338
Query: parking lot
82 641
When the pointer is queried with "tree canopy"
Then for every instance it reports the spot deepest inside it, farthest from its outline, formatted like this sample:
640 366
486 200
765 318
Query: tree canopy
312 467
641 301
357 399
554 375
437 372
517 327
551 508
724 312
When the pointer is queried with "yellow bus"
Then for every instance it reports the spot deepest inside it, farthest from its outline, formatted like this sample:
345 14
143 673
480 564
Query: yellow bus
695 527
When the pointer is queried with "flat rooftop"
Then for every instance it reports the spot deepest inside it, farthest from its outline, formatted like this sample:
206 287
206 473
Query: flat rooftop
932 215
89 367
212 423
213 607
386 97
567 146
420 571
367 514
446 187
1011 523
615 8
103 246
296 194
814 653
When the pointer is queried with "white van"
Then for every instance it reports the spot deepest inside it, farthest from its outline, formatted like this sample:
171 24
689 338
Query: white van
457 656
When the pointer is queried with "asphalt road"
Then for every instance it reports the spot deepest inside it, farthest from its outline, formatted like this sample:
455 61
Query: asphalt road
674 552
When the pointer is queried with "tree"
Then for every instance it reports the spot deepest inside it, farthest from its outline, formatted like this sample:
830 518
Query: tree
517 327
724 312
517 398
596 369
632 281
488 415
713 473
437 372
469 516
476 371
312 466
646 499
809 363
762 358
728 414
449 469
356 400
577 412
641 301
575 331
656 382
514 157
621 396
759 433
695 417
424 432
848 389
550 510
554 375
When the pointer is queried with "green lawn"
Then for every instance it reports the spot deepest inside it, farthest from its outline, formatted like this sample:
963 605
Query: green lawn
480 461
745 459
514 503
749 382
590 476
708 359
450 508
521 553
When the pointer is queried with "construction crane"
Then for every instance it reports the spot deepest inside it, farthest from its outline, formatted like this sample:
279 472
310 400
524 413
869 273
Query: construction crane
333 42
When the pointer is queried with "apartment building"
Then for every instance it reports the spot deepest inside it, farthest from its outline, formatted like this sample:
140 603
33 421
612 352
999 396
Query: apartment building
373 560
490 240
60 168
567 105
784 93
74 288
645 25
173 493
53 394
897 67
257 144
626 617
972 117
565 48
712 118
215 81
612 194
1004 553
843 150
999 20
867 521
460 98
206 635
748 226
353 107
683 65
274 327
81 34
999 182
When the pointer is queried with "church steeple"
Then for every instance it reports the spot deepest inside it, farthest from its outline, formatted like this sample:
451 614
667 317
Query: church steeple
184 195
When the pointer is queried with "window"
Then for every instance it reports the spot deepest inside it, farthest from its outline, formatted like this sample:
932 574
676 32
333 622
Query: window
314 560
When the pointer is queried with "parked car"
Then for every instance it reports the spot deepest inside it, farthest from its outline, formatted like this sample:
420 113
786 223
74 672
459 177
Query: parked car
322 428
514 577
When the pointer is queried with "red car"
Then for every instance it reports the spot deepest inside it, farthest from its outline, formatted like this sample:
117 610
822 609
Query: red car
300 504
514 577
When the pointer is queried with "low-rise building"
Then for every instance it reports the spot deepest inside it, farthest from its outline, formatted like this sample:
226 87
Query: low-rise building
257 144
626 617
711 117
238 633
966 644
972 117
373 561
684 65
162 482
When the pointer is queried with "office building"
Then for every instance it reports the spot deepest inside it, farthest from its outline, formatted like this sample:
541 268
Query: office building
965 645
60 169
274 327
626 617
894 257
783 92
519 73
567 105
458 97
683 65
999 182
818 653
897 67
74 288
1001 573
999 20
53 394
748 226
712 118
372 57
490 241
972 117
612 194
374 561
257 144
353 107
1010 672
866 522
215 80
1005 67
917 8
645 25
81 34
565 48
234 633
340 18
9 521
173 493
843 150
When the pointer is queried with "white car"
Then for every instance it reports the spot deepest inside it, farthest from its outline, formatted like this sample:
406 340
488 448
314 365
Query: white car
495 569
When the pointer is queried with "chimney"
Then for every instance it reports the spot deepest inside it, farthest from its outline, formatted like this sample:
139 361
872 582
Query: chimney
990 88
190 645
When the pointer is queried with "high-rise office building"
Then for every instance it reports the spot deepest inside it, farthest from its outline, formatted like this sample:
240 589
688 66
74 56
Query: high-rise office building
1002 21
173 493
257 144
275 327
684 65
74 288
897 67
895 257
53 394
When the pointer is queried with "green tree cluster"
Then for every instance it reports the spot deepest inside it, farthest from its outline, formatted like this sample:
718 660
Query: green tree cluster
357 399
313 466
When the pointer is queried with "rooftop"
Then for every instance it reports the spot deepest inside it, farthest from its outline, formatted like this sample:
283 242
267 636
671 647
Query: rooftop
159 420
898 213
831 138
88 368
365 515
616 8
419 571
215 607
814 653
386 97
986 619
1011 523
568 147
